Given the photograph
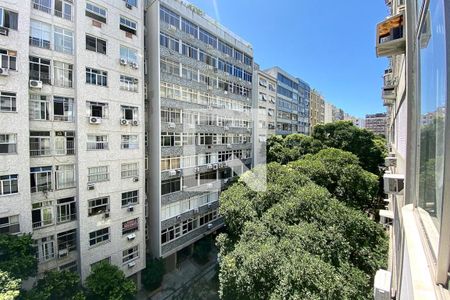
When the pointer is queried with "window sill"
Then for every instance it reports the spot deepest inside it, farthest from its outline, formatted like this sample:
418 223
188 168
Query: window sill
99 244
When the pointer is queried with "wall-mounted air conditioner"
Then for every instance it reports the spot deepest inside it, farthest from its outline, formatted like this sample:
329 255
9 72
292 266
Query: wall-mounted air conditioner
386 217
382 285
130 208
394 183
123 62
135 179
63 252
172 172
36 84
131 237
391 36
95 120
171 125
135 122
90 186
131 264
5 72
210 226
124 122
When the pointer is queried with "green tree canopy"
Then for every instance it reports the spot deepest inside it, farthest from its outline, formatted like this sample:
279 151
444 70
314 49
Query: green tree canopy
9 287
291 147
17 256
109 282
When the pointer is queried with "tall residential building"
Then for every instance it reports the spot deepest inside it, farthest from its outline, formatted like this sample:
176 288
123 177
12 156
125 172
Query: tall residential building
200 96
415 37
376 123
292 103
71 131
328 115
317 109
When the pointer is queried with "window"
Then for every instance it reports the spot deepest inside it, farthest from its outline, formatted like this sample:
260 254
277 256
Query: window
40 143
95 44
170 186
42 214
40 69
63 9
97 109
189 27
130 198
9 225
8 102
66 210
130 226
237 72
97 142
169 139
131 2
67 240
63 109
40 34
128 54
99 236
8 59
70 266
43 5
64 143
170 67
170 163
98 174
208 217
225 48
208 59
8 19
128 25
168 16
207 38
45 248
129 112
170 233
8 143
98 206
95 12
63 73
247 76
128 83
9 184
63 39
189 73
189 50
247 60
130 254
96 77
172 115
65 177
169 42
129 142
41 179
39 107
129 170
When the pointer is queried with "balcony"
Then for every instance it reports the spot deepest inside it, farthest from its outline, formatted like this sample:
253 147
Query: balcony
391 38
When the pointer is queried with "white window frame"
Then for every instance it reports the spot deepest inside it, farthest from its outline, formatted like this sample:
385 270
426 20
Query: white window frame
130 198
13 225
129 170
97 237
8 180
96 10
130 254
63 73
97 203
93 140
98 174
10 99
65 177
101 77
40 34
39 104
129 54
129 141
128 23
63 40
41 139
9 140
128 83
47 171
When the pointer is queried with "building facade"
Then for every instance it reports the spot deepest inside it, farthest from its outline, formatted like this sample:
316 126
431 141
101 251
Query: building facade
199 101
415 37
317 109
72 77
292 103
376 123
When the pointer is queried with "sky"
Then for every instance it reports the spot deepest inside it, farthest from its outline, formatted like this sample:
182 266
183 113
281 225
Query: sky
328 43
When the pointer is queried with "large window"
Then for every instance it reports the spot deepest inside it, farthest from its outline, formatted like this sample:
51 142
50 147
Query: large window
96 12
65 177
97 142
97 109
63 9
66 210
169 139
8 19
8 59
130 254
129 142
40 69
189 27
128 83
63 39
96 77
40 143
99 236
67 240
189 50
8 143
129 55
63 109
128 25
39 107
42 214
10 225
41 179
129 170
64 142
40 34
63 73
208 38
98 174
168 16
45 248
170 186
43 5
9 184
98 206
169 42
8 102
433 97
95 44
130 198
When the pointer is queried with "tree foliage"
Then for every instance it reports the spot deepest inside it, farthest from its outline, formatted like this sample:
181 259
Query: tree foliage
9 287
295 240
56 285
290 148
152 275
17 256
109 282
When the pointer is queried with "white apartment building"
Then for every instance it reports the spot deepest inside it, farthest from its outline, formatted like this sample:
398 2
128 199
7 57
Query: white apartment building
72 173
199 78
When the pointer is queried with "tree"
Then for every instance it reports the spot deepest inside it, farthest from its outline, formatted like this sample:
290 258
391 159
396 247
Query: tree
56 285
109 282
152 275
17 256
9 287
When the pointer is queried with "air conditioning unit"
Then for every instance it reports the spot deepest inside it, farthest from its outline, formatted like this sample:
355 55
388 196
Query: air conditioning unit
209 205
124 122
131 264
391 36
226 180
63 252
386 217
4 72
226 128
196 169
196 210
37 84
225 92
382 285
4 31
210 166
130 208
229 146
210 226
90 186
131 237
135 179
215 166
172 172
123 62
95 120
135 122
106 215
172 28
179 172
390 161
394 183
178 218
134 65
209 185
171 125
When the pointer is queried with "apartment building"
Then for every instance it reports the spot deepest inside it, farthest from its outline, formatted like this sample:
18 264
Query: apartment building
200 133
292 103
415 38
317 109
73 171
376 123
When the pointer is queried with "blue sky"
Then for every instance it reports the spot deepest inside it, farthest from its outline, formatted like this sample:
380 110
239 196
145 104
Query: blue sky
328 43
